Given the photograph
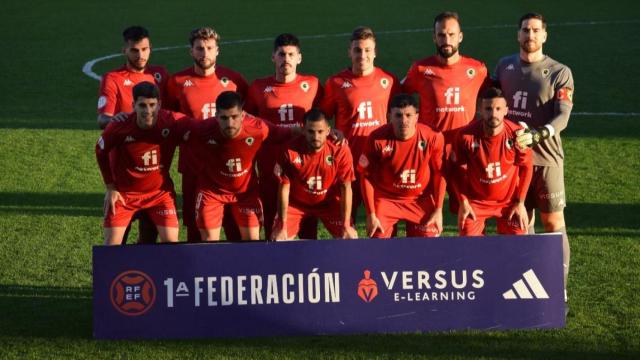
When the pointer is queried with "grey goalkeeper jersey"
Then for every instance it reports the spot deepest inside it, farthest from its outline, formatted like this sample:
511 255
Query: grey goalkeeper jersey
538 94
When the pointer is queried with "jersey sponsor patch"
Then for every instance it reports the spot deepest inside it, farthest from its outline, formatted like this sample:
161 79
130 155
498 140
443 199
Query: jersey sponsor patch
102 101
224 81
565 94
471 72
158 77
249 140
384 82
304 86
363 162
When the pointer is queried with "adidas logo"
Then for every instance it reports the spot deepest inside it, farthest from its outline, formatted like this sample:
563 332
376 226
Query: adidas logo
268 89
522 291
187 83
129 139
510 67
128 82
346 85
429 72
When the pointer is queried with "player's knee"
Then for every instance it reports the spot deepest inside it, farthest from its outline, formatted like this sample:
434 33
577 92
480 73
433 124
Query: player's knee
553 222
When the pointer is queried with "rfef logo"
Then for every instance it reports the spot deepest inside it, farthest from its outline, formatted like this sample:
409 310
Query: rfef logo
133 293
367 288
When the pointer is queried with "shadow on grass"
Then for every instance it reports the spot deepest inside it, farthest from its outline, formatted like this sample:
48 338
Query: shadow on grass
65 313
602 127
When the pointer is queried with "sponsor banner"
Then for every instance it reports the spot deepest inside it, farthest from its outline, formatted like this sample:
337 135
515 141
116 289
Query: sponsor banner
327 287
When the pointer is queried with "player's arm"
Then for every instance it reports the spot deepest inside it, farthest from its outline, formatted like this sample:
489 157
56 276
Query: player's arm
439 184
373 223
346 201
328 102
459 159
280 228
103 147
107 100
524 161
408 83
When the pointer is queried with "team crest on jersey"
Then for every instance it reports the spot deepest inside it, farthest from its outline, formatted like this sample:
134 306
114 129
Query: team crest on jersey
471 72
363 162
509 144
249 140
158 77
546 72
102 101
224 81
304 86
329 160
165 132
127 82
422 145
384 82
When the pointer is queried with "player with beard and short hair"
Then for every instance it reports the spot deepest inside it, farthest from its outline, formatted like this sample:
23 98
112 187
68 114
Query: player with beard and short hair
397 168
358 97
315 179
115 97
193 91
491 173
448 85
282 99
539 93
134 157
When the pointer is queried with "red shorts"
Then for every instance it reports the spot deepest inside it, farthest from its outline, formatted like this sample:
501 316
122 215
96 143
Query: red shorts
414 212
245 208
160 205
329 214
483 212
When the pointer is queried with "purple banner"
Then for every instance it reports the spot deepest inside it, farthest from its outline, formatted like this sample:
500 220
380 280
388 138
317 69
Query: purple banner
327 287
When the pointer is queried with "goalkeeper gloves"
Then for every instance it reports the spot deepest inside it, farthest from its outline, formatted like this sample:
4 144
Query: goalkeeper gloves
531 137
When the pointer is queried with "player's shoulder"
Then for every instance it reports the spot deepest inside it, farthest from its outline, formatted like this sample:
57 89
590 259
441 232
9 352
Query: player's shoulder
340 77
471 129
382 132
263 82
474 63
382 73
508 62
511 126
115 73
158 72
555 66
312 80
186 72
427 131
223 71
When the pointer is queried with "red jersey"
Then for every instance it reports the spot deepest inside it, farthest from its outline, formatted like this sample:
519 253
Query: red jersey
447 93
401 169
195 96
116 87
314 176
492 164
359 104
141 157
228 164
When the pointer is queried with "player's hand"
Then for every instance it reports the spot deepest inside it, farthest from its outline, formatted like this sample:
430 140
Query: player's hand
524 137
519 211
120 117
465 210
337 137
373 225
348 232
436 219
110 199
279 231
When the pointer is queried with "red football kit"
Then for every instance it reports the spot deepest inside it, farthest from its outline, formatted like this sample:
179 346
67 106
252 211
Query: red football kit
116 87
492 172
195 95
400 173
139 167
315 179
227 172
284 105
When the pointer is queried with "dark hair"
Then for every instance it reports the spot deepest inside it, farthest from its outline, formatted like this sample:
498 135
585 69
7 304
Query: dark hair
228 100
286 39
146 89
135 34
401 101
314 114
445 16
203 33
363 33
491 93
532 15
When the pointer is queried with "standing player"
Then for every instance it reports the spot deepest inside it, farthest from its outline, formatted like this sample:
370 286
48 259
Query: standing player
539 92
397 167
358 97
228 144
315 181
116 97
193 91
282 99
448 84
137 177
492 173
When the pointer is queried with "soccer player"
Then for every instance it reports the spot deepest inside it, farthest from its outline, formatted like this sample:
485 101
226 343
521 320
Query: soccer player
492 174
397 167
227 146
448 84
193 91
358 97
282 99
539 92
315 178
116 96
138 177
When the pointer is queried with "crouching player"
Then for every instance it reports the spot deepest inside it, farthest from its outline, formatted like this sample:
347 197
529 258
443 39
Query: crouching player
492 172
138 179
315 178
400 160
